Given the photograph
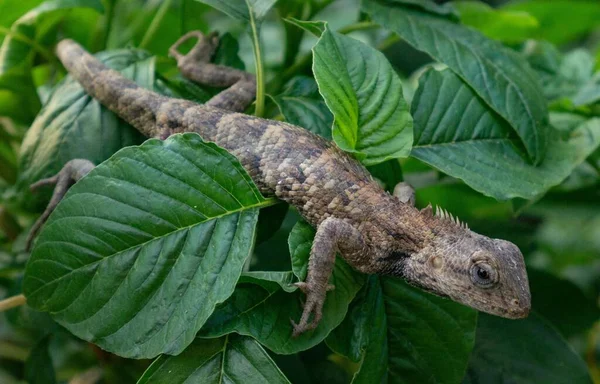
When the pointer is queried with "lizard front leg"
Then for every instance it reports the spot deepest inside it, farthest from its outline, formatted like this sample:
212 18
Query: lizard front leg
196 66
332 235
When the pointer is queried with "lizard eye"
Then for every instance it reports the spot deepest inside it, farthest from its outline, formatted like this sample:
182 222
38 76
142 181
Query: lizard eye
483 275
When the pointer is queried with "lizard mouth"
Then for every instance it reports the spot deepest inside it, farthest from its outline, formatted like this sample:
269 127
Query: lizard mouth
516 308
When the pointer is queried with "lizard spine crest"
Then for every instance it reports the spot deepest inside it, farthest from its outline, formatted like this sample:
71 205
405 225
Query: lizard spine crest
445 215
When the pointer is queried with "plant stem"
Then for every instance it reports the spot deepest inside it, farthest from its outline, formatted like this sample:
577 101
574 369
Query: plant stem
260 77
11 302
8 224
360 26
388 42
158 18
14 352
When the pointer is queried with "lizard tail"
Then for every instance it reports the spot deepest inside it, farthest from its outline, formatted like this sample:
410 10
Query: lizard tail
134 104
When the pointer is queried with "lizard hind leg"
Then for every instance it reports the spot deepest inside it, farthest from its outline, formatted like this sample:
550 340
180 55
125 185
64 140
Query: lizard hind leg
70 173
332 235
196 66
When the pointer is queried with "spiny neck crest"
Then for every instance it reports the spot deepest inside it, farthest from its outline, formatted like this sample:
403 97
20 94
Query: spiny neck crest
444 216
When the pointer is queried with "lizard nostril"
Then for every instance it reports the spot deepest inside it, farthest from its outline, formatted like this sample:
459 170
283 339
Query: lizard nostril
515 302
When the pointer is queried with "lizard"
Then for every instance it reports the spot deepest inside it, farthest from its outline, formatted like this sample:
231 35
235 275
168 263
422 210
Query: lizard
374 231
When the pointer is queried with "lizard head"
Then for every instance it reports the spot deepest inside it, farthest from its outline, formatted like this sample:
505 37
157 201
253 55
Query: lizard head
484 273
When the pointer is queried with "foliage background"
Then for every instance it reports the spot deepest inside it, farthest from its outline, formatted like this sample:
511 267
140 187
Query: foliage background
374 329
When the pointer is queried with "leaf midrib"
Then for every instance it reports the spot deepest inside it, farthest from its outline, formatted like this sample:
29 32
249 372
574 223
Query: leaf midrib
265 203
469 141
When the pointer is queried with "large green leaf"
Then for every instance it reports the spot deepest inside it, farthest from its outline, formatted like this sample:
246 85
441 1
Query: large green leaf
457 133
240 9
500 77
404 335
264 303
230 359
523 351
363 92
138 254
74 125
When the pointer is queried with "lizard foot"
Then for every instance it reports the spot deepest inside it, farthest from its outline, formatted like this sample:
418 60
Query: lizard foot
71 172
315 298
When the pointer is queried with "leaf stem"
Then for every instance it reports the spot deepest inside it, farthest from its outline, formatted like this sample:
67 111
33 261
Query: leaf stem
14 352
388 42
260 76
360 26
158 18
11 302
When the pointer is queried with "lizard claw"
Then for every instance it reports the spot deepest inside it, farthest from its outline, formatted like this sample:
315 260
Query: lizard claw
304 287
315 298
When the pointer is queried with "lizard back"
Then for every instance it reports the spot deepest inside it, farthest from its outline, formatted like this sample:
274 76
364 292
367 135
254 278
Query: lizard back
284 160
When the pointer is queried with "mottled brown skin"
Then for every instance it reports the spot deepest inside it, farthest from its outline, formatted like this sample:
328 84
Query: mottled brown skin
374 231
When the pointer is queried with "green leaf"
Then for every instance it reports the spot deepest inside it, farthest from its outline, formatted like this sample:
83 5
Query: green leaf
458 134
504 25
589 93
72 125
561 21
17 48
140 251
404 335
38 367
300 242
11 10
18 97
500 77
301 104
240 9
230 359
262 306
523 351
363 92
562 77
